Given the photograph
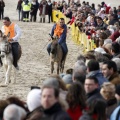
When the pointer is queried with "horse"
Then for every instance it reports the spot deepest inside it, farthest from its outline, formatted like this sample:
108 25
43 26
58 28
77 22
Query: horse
56 55
7 57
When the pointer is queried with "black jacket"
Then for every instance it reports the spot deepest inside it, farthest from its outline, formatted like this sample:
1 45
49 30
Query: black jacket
55 113
94 95
50 9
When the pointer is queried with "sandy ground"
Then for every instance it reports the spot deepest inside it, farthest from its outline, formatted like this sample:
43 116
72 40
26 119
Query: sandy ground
34 63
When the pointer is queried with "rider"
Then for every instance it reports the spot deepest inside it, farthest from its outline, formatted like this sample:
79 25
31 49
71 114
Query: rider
15 33
60 30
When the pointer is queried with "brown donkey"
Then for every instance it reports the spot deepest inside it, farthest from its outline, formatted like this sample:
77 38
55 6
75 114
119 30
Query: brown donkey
56 55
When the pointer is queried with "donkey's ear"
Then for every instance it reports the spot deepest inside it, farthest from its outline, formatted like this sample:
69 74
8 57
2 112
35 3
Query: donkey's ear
8 35
1 34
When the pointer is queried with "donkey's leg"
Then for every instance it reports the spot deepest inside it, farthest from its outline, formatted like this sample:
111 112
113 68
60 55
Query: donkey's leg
8 72
62 67
14 75
52 67
58 65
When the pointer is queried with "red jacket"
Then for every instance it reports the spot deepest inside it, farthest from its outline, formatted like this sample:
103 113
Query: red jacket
75 113
115 35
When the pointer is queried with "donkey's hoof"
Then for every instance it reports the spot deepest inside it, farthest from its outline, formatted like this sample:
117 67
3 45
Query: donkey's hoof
9 81
3 85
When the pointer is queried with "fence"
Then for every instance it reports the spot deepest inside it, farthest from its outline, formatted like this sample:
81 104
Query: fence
78 37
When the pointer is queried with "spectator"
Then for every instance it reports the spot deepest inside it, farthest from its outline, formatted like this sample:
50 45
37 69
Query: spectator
117 94
34 9
43 10
113 19
108 93
91 87
2 5
76 100
14 112
34 104
100 23
3 105
93 69
19 8
96 111
117 61
115 50
49 9
109 70
52 108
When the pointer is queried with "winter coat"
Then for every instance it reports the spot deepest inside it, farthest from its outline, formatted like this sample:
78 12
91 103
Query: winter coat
55 113
75 113
115 35
2 5
115 79
41 9
19 5
34 8
111 105
93 96
115 113
49 9
98 75
35 114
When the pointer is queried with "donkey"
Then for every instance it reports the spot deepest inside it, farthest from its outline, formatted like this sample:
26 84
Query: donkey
56 55
6 56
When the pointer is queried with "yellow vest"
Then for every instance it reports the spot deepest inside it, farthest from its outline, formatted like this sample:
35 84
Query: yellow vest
58 30
10 29
26 7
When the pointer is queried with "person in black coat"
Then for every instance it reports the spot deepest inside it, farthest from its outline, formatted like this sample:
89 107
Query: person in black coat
92 89
51 105
34 9
19 8
49 11
2 5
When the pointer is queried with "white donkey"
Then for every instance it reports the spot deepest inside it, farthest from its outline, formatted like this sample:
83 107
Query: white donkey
6 56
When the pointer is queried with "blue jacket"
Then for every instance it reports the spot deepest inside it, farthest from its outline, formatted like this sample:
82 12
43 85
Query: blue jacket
63 36
98 75
114 114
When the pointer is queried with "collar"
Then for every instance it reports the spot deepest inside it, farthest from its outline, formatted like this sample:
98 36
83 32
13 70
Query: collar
92 93
55 108
113 76
93 73
111 102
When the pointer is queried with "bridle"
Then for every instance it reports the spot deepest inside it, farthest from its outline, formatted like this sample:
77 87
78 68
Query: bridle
7 48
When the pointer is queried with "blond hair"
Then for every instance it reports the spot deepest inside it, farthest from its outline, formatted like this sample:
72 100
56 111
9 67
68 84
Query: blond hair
108 90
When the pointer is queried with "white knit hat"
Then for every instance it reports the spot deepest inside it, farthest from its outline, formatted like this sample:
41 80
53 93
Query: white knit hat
33 99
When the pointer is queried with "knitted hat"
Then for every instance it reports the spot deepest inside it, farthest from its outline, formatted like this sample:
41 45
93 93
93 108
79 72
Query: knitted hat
33 99
67 79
